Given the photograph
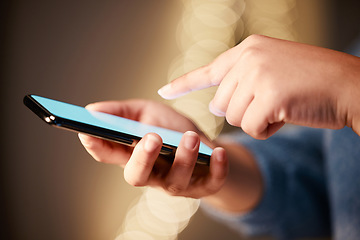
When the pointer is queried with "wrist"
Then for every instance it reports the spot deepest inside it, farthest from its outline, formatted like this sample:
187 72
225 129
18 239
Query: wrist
243 188
353 98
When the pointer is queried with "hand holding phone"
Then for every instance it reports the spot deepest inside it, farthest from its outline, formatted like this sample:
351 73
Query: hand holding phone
191 173
106 126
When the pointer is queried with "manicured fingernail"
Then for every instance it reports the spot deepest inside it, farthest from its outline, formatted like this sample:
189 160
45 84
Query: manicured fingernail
90 106
216 111
151 143
163 92
191 140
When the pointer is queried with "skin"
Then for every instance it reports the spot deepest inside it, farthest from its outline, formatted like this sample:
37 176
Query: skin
143 166
266 82
263 83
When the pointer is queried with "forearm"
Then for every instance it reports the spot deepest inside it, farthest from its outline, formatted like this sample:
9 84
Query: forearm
243 188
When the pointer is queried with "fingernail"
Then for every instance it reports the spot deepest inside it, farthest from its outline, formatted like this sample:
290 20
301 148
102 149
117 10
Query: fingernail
220 157
216 111
164 91
84 140
151 143
90 106
191 140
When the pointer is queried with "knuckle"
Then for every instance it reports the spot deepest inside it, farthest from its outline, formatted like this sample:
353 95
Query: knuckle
212 189
273 95
256 37
220 178
143 164
253 51
186 77
174 189
250 130
253 39
259 136
250 53
184 164
212 74
246 127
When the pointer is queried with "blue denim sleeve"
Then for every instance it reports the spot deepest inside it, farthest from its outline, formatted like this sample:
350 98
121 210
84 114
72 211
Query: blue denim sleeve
294 203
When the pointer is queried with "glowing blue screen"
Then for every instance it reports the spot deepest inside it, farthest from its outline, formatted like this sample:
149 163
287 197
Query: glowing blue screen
115 123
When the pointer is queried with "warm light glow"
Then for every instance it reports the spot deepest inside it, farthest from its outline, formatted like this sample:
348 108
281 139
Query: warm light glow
158 215
134 235
207 28
161 204
272 18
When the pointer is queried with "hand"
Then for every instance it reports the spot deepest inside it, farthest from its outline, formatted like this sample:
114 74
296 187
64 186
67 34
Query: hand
265 82
143 166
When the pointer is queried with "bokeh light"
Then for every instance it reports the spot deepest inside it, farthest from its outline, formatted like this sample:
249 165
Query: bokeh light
206 29
273 18
158 216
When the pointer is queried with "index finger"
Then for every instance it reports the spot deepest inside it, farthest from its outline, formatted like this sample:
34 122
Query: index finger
207 76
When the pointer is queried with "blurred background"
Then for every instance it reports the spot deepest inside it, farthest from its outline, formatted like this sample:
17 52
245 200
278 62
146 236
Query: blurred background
87 51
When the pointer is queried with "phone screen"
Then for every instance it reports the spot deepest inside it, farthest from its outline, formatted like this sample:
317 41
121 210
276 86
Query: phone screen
105 125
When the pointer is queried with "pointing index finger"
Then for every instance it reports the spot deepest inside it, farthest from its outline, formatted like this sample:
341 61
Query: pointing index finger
204 77
196 80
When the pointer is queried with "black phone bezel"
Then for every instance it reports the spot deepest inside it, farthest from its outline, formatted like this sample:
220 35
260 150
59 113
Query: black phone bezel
107 134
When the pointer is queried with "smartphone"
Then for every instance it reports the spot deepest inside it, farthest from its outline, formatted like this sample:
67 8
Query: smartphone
106 126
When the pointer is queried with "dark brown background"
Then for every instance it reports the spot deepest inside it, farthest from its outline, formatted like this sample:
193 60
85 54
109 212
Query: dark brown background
85 51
